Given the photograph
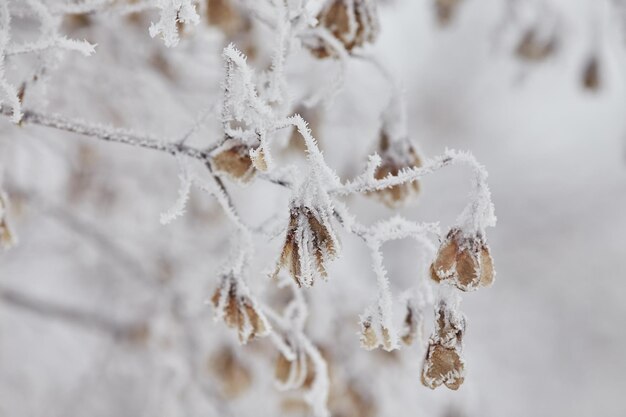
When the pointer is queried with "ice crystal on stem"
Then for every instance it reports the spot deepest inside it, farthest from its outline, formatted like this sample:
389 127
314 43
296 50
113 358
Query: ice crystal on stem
173 12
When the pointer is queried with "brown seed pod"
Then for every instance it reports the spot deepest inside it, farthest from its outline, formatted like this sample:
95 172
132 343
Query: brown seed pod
445 10
464 262
310 241
238 310
591 74
396 156
351 22
371 339
233 376
533 48
236 162
7 238
443 365
449 326
413 322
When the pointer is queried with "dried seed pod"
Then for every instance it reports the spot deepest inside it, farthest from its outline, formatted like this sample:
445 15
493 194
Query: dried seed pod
235 161
371 339
259 159
296 373
591 74
233 376
463 261
534 48
7 238
413 323
445 10
443 365
238 310
449 326
396 156
309 245
351 22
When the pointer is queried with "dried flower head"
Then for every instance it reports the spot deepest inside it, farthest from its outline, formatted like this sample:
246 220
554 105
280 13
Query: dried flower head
445 10
309 245
533 47
7 238
238 310
444 363
234 377
351 22
591 74
463 261
396 156
236 161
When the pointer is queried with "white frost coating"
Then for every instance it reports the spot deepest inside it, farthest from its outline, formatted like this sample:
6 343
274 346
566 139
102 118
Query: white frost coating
477 215
178 209
49 40
172 12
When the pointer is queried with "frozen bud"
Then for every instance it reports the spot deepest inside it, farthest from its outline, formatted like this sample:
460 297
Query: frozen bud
352 22
7 238
235 161
463 261
309 245
238 310
373 335
396 156
445 10
233 376
443 365
591 74
535 48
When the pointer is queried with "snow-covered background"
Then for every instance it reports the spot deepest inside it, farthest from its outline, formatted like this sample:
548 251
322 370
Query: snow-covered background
547 339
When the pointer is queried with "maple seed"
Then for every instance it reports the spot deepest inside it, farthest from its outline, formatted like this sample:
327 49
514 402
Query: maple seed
464 262
239 311
351 22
